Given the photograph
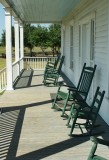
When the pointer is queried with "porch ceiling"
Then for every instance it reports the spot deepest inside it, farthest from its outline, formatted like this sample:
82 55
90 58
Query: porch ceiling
42 11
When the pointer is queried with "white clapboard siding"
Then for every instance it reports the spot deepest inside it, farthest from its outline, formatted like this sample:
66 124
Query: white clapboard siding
101 47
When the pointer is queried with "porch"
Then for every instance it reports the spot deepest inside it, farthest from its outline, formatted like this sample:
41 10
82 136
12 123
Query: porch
31 130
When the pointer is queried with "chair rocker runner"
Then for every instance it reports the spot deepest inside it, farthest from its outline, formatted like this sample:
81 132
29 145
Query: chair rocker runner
82 111
78 93
97 141
52 75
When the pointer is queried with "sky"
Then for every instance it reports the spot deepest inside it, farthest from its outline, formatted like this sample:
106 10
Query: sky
2 20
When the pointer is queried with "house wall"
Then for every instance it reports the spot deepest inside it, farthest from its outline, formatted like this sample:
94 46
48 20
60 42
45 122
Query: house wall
100 8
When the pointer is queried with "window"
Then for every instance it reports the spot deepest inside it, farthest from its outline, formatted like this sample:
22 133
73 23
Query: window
71 47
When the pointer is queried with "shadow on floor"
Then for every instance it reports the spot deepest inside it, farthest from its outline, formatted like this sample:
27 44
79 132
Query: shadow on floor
25 80
11 124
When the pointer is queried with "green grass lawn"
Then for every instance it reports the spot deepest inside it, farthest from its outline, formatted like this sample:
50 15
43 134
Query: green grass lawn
2 63
2 50
2 60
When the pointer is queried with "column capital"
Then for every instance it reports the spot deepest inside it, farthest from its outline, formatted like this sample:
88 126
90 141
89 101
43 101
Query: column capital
8 11
21 24
16 19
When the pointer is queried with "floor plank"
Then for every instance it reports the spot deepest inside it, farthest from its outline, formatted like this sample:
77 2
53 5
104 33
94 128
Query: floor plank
31 130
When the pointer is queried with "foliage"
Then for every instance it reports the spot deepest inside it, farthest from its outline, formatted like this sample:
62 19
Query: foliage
29 37
43 37
2 63
3 41
3 38
55 37
39 37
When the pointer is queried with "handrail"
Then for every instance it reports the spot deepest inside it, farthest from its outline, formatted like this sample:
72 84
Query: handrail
3 81
17 68
35 63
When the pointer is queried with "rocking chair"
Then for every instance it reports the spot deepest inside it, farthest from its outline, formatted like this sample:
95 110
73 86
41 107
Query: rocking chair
97 141
78 93
52 75
82 111
52 65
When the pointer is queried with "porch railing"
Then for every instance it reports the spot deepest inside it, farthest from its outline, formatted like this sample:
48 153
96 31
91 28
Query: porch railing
2 79
17 67
35 63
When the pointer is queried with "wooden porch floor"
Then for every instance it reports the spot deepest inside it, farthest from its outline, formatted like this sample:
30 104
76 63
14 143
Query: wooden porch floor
31 130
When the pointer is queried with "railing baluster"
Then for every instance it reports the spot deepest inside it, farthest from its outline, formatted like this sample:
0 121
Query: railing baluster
2 79
36 63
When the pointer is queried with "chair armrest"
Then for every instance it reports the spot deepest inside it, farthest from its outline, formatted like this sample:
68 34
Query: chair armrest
67 86
72 87
75 90
99 141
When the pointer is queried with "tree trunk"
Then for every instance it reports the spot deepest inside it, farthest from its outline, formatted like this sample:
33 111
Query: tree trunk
43 51
31 54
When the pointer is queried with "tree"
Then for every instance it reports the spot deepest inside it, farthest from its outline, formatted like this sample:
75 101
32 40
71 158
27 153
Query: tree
29 37
41 38
55 37
3 39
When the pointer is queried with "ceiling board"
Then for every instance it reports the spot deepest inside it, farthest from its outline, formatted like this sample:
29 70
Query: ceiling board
42 11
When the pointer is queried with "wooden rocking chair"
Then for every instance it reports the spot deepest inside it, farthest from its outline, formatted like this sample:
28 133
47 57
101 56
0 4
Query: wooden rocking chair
97 141
78 93
51 76
82 111
52 65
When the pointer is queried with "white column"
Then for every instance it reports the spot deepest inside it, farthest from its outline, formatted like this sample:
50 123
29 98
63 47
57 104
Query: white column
21 41
8 26
16 26
17 46
21 45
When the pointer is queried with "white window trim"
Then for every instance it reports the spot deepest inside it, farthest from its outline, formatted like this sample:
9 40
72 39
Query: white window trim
63 41
71 66
107 93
